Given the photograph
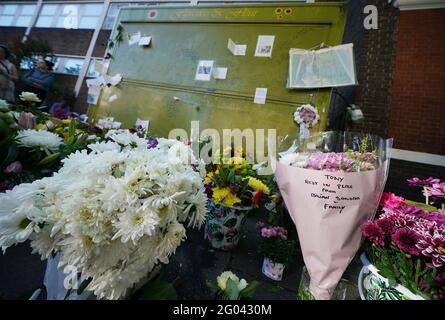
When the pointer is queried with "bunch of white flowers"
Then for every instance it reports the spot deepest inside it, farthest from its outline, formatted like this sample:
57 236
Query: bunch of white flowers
29 97
41 139
112 213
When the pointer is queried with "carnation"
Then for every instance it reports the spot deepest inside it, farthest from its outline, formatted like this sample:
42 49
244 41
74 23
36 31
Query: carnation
373 231
43 140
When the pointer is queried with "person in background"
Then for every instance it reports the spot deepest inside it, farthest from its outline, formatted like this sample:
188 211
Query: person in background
60 109
39 80
8 76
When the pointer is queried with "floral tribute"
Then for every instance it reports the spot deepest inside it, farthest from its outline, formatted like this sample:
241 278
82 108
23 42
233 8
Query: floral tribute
230 287
113 212
306 115
234 182
274 243
407 241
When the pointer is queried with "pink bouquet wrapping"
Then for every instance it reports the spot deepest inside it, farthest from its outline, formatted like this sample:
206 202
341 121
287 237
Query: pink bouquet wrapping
331 183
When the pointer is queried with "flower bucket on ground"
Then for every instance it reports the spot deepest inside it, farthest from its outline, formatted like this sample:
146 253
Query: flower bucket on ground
113 212
224 225
406 244
276 248
234 188
331 183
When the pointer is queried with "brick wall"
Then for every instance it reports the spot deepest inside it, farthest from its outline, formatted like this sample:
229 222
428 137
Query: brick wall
418 96
9 35
375 70
65 41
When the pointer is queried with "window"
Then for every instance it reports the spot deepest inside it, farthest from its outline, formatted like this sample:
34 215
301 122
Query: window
64 64
13 15
69 15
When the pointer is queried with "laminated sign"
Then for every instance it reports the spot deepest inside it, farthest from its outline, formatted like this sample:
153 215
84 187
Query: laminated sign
328 67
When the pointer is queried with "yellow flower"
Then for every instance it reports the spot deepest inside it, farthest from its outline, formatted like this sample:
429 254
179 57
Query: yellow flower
208 178
230 200
59 130
219 194
39 126
257 185
66 121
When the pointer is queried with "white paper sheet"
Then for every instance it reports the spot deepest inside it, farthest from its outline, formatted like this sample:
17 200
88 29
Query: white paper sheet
134 38
112 98
145 41
95 81
93 94
264 46
220 73
237 49
260 95
204 70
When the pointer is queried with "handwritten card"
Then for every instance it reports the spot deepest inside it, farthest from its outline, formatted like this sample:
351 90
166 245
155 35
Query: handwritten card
264 46
220 73
237 49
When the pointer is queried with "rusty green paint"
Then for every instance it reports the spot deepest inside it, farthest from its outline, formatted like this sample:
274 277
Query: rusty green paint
159 80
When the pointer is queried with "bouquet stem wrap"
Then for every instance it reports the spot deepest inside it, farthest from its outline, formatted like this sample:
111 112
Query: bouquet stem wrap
328 208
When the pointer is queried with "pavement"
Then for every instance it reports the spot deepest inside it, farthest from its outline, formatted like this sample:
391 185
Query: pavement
194 264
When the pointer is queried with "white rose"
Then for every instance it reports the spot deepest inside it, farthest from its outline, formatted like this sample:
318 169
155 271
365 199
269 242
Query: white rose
29 96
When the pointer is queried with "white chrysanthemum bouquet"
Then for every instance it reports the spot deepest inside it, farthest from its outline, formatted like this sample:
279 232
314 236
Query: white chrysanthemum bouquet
112 212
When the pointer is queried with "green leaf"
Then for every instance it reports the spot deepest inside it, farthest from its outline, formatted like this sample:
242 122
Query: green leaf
13 152
232 292
157 289
211 285
49 159
249 291
83 286
421 205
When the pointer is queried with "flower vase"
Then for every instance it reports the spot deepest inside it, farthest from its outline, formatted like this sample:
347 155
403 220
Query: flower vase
273 270
224 225
373 286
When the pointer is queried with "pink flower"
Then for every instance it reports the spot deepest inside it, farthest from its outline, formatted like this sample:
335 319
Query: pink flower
27 120
14 167
372 231
406 240
390 200
422 182
433 247
436 190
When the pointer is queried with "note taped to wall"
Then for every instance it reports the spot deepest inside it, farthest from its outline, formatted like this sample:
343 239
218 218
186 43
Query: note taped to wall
260 95
204 70
264 46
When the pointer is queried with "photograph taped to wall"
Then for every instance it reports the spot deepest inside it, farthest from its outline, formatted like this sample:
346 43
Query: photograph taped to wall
204 70
328 67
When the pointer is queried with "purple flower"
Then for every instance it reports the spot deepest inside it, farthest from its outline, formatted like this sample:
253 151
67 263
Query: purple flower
374 232
208 189
436 190
406 240
260 225
386 224
433 247
422 182
152 143
14 167
234 188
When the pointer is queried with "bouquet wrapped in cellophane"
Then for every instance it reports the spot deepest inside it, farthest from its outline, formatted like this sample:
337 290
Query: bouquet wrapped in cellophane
331 183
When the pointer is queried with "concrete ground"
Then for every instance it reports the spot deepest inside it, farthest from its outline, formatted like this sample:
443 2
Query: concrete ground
194 264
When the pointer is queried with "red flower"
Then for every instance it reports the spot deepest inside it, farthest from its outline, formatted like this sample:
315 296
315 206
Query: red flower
406 240
231 232
390 200
256 197
374 232
386 224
